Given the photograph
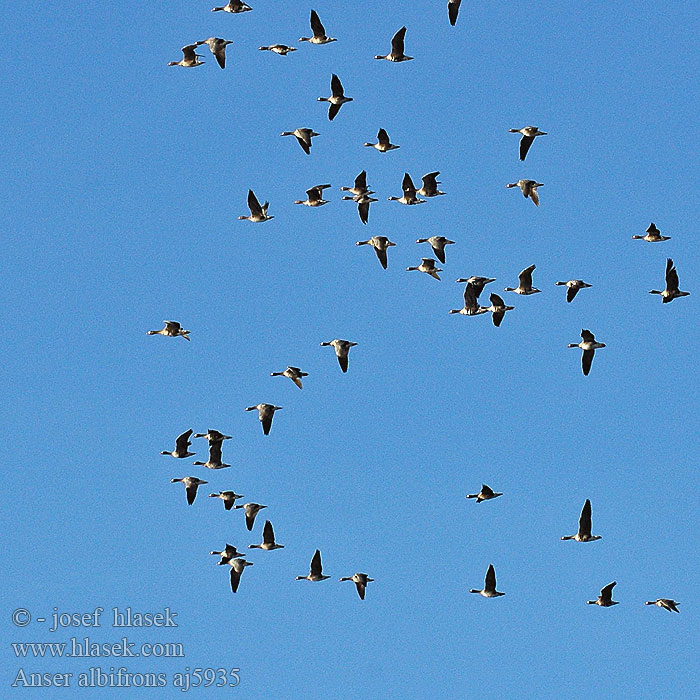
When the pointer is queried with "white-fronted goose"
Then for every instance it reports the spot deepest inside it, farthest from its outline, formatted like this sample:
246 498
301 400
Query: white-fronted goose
218 47
430 185
265 413
228 497
182 442
397 48
258 212
605 598
665 603
190 59
337 98
589 345
584 526
214 461
524 283
191 484
409 192
359 186
529 133
653 235
342 348
572 288
316 570
251 510
319 31
237 568
314 197
363 202
383 144
529 189
489 589
428 266
268 542
437 243
672 291
453 10
280 49
486 494
303 136
294 373
213 436
360 581
234 7
380 244
471 298
229 552
498 309
172 329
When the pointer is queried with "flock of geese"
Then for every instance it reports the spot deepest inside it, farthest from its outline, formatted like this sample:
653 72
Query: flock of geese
360 193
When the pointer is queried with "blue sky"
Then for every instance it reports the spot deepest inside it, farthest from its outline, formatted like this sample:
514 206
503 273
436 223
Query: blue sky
125 179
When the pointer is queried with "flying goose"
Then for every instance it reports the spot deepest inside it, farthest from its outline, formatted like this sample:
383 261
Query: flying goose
265 413
453 10
529 189
360 581
397 55
584 526
672 291
437 243
251 510
172 329
665 603
605 598
229 552
237 568
589 345
294 373
228 497
233 6
430 185
182 442
471 298
529 133
218 47
268 542
380 244
258 213
428 266
319 31
280 49
337 98
359 187
489 589
653 235
214 459
191 484
498 309
363 202
383 144
316 571
477 282
572 288
213 436
524 283
342 348
409 192
303 136
314 197
486 494
190 59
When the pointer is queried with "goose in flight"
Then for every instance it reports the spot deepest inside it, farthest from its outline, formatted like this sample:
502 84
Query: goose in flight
251 510
268 542
214 460
192 483
190 59
360 581
572 288
584 526
229 552
213 436
529 133
342 348
279 49
316 570
589 345
397 48
477 282
303 136
363 202
383 144
524 283
430 185
380 244
218 47
409 192
237 568
486 494
529 189
671 291
234 7
498 309
319 32
265 413
172 329
294 373
182 442
428 266
359 186
314 197
665 603
228 497
437 243
471 298
337 98
453 10
489 589
653 235
258 213
605 598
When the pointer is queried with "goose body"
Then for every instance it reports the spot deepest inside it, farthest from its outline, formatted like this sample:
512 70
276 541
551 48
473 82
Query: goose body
319 31
182 442
228 497
360 581
428 266
315 570
383 143
584 526
489 589
498 309
251 510
190 58
214 461
653 235
665 603
342 348
218 47
234 7
294 373
672 290
172 329
192 483
529 133
268 542
409 192
486 494
437 243
397 55
572 288
258 212
380 245
314 197
337 98
280 49
359 187
524 283
265 413
605 598
529 189
430 185
237 568
227 554
303 136
589 345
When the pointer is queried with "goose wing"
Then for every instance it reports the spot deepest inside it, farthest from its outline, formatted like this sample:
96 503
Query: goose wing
397 42
316 27
188 52
525 143
253 204
407 186
268 533
361 585
172 327
534 196
250 513
486 490
584 522
235 578
606 592
453 10
266 420
183 441
333 109
571 292
383 137
587 336
215 452
671 276
336 86
361 179
191 491
363 211
587 361
525 277
490 580
316 568
381 253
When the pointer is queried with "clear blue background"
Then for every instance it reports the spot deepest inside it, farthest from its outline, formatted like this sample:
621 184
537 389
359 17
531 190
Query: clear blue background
123 180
